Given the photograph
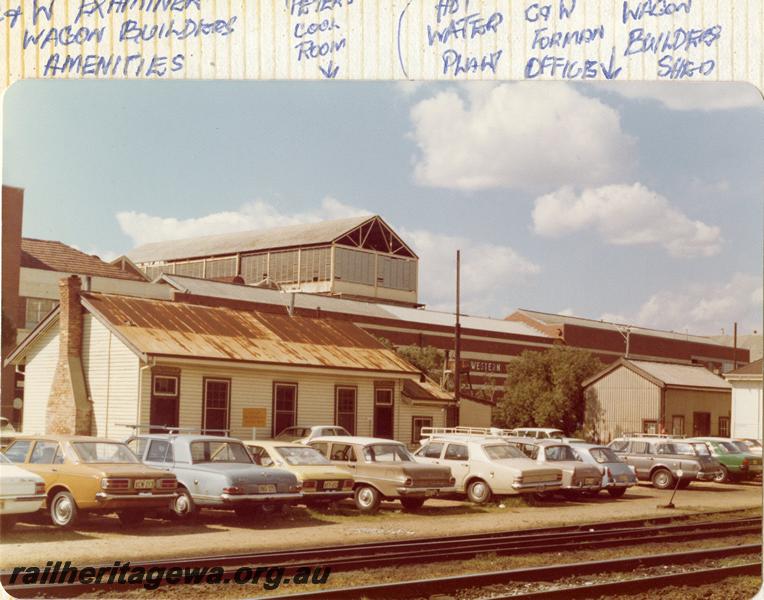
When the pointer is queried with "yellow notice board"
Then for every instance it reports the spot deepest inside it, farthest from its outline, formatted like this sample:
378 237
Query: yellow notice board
253 417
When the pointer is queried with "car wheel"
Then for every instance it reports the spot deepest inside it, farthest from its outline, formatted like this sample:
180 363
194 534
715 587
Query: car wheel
722 476
662 479
131 517
63 509
617 492
478 491
367 499
412 503
183 507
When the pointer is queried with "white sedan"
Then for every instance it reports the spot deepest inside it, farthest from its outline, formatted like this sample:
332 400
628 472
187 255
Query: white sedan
21 492
487 466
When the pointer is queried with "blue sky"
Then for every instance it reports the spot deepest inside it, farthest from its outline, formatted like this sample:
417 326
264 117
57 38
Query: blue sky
635 202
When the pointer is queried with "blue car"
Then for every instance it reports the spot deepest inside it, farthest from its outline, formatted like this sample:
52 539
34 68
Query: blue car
215 472
617 476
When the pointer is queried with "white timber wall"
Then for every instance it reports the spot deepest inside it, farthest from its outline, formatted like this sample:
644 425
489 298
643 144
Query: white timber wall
41 364
252 387
111 373
746 409
620 401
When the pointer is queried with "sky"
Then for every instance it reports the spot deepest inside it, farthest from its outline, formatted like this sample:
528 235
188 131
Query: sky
634 202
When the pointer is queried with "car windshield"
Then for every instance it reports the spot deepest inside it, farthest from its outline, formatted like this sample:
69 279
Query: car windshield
204 451
4 459
752 443
677 448
727 448
500 451
293 433
387 453
604 455
104 452
302 456
559 453
701 449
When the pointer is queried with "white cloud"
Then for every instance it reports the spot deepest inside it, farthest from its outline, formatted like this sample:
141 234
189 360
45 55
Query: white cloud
702 308
483 281
487 272
518 135
143 228
684 95
625 215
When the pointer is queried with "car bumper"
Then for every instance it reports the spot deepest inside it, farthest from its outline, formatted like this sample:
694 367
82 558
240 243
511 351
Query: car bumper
414 492
234 499
706 476
537 486
114 501
583 486
13 505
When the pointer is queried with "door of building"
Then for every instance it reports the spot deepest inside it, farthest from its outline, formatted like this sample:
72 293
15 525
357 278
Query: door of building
165 403
701 423
383 413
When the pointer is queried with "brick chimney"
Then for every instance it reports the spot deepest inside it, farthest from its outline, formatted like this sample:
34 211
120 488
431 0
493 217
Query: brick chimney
69 409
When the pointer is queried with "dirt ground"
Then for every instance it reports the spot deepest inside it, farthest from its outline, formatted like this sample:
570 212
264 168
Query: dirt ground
102 539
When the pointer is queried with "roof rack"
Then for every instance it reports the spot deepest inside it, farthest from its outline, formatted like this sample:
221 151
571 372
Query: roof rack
662 436
430 432
137 427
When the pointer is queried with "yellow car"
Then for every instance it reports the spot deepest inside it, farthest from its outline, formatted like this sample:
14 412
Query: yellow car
91 474
322 482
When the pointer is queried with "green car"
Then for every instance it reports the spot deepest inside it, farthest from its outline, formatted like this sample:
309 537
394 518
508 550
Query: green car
736 464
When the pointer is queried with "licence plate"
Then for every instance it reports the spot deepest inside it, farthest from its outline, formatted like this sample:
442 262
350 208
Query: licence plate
331 485
266 488
622 478
430 492
590 481
143 484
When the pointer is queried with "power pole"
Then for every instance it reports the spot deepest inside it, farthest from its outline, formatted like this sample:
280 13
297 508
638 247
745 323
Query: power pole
458 337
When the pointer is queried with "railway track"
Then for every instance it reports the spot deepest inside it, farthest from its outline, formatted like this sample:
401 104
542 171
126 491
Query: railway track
424 588
430 550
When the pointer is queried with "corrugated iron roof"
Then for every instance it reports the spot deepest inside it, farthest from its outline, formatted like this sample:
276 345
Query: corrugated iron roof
426 390
214 289
322 232
681 375
556 319
165 328
754 368
50 255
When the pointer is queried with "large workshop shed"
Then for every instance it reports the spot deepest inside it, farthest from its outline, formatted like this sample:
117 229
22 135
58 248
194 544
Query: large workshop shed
632 396
101 363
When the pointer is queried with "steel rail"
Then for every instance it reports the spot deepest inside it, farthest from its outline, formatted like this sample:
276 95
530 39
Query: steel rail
353 557
639 584
444 585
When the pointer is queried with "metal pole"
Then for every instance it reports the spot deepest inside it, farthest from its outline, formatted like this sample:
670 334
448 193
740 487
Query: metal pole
458 337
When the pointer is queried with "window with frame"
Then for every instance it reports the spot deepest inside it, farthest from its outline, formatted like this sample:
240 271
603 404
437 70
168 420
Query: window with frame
17 451
345 408
343 452
432 450
416 427
650 427
677 425
165 385
456 452
724 426
284 406
159 451
216 405
46 453
36 309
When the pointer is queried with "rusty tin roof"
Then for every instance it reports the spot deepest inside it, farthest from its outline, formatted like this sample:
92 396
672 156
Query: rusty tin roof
173 329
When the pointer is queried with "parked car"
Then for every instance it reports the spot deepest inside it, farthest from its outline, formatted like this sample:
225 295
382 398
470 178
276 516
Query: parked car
753 445
215 472
539 433
302 435
486 466
660 460
385 469
88 474
736 464
577 476
617 476
322 482
21 492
